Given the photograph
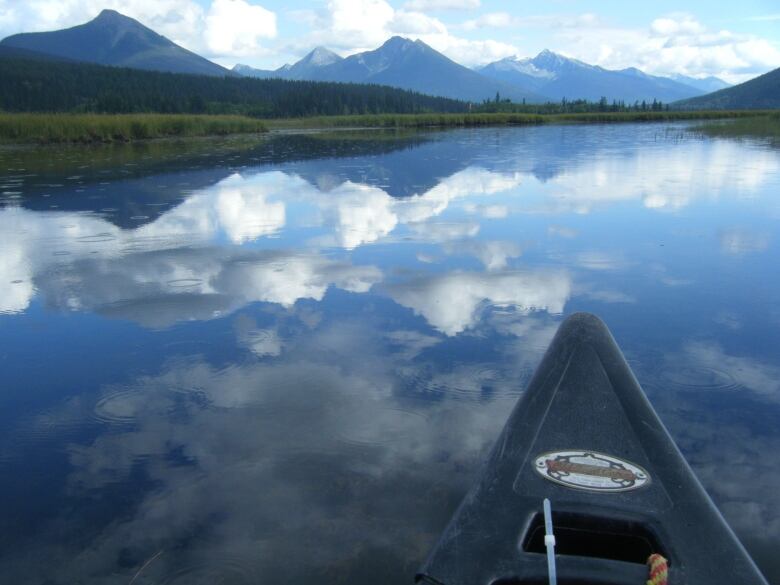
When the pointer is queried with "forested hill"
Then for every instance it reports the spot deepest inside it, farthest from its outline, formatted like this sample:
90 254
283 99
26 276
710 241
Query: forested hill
40 85
762 92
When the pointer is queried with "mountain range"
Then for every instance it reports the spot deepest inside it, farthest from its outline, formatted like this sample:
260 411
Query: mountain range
547 77
705 84
403 63
558 77
117 40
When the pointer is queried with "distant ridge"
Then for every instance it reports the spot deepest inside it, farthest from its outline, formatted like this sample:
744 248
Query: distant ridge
401 63
762 92
304 69
115 39
705 84
558 77
247 71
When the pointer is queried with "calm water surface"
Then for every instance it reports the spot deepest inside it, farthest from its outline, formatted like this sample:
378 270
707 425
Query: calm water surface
283 360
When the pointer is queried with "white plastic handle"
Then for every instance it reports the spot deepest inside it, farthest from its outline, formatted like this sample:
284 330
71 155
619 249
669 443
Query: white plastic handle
549 542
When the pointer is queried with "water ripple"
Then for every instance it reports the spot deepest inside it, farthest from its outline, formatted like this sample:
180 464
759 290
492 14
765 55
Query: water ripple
698 378
234 570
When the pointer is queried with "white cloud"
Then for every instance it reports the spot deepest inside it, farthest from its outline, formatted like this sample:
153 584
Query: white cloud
682 24
609 178
289 277
416 24
468 182
354 24
169 270
451 302
562 231
490 20
16 287
441 232
32 242
362 214
469 52
493 254
432 5
246 216
599 260
740 241
235 27
487 211
675 43
411 343
554 22
243 211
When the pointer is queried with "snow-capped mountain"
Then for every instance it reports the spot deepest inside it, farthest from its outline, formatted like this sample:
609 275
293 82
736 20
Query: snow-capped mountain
557 76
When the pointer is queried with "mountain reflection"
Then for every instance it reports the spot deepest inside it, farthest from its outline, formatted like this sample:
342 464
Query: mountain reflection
191 262
82 261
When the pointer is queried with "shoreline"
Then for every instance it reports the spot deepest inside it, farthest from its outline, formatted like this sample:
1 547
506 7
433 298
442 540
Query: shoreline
85 129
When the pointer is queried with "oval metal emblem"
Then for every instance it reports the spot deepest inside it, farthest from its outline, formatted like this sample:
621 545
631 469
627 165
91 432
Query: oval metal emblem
590 470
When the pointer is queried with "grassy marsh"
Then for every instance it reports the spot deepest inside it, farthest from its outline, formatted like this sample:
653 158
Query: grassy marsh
104 128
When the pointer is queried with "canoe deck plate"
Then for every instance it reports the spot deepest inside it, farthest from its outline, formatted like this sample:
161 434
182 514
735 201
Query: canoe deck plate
591 471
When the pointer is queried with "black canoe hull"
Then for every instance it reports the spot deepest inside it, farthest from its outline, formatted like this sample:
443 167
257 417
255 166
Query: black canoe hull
584 398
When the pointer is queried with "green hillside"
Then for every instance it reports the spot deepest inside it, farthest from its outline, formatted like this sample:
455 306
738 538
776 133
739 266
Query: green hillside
761 93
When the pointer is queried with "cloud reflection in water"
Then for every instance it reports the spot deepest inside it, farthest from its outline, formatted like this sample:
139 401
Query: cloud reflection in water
357 352
253 463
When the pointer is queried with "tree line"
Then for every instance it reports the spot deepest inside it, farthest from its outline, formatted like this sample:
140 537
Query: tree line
568 106
42 85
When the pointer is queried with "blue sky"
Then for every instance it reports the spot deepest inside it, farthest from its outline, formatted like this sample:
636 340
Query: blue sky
734 40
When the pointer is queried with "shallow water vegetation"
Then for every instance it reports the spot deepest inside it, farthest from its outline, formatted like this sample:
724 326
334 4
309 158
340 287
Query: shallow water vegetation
104 128
766 126
123 159
494 119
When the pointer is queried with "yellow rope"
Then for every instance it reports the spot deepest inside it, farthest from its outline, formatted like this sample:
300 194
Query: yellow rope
659 570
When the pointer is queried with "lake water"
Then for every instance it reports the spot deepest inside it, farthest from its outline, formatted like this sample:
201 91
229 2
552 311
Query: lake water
283 360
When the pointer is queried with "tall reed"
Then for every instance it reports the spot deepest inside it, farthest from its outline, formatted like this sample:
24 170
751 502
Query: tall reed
90 128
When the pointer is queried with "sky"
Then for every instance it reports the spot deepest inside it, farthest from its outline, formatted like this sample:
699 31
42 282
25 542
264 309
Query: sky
732 40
